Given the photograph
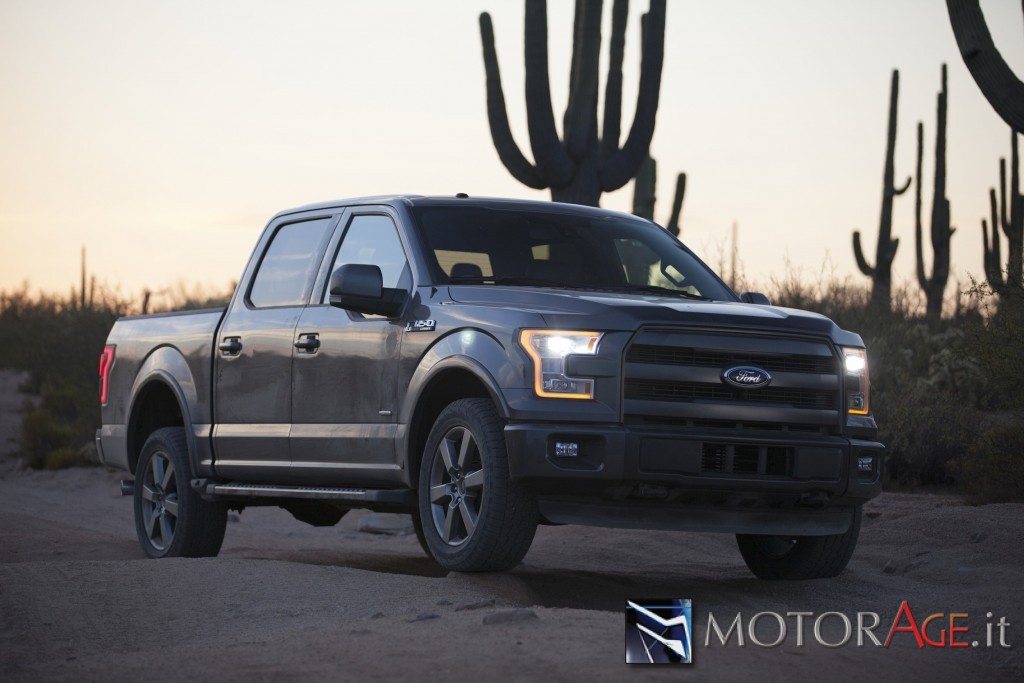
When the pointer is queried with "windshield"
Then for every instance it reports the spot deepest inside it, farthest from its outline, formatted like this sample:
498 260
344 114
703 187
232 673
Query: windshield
478 245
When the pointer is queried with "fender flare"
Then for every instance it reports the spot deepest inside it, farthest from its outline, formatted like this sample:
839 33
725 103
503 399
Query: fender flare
166 365
466 349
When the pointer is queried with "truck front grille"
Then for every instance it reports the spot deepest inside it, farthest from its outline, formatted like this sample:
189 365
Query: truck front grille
663 355
659 390
673 376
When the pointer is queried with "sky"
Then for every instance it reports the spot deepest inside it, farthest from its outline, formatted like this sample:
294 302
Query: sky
162 136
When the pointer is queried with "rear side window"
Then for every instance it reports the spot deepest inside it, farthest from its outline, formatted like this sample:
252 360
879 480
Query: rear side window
289 264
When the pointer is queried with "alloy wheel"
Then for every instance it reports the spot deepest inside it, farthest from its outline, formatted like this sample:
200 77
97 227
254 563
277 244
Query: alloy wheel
160 501
456 486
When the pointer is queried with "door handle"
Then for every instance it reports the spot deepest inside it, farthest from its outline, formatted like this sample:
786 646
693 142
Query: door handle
231 346
308 343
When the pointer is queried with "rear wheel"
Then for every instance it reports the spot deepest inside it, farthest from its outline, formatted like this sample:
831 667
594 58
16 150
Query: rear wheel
472 516
799 557
171 520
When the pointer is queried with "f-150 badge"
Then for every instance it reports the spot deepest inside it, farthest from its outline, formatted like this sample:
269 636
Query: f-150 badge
421 326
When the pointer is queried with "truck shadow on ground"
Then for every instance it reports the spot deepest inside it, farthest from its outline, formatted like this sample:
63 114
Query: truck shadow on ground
531 585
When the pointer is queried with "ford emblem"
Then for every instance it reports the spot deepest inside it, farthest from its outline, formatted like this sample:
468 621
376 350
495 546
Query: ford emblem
747 377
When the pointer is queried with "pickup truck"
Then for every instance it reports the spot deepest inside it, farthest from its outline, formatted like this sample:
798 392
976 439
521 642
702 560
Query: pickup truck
489 365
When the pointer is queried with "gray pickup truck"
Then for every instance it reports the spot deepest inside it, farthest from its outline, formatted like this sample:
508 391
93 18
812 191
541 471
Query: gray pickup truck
489 365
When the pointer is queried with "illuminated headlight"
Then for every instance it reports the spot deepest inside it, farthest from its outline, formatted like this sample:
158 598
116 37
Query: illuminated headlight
858 382
548 350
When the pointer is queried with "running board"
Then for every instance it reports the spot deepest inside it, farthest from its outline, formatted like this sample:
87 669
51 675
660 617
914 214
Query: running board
240 490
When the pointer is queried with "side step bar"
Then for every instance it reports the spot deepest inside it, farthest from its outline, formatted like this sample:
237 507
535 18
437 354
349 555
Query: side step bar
241 490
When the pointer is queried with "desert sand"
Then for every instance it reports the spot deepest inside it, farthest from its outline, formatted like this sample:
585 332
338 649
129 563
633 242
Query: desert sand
286 600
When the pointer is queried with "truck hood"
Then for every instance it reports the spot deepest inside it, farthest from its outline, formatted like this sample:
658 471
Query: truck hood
583 309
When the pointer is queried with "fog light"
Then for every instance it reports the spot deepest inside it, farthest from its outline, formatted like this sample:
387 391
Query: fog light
566 449
865 463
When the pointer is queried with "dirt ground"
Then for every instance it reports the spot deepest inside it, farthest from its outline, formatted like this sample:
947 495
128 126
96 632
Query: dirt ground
285 600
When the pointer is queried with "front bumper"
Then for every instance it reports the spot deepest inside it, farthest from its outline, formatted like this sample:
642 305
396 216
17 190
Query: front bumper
739 475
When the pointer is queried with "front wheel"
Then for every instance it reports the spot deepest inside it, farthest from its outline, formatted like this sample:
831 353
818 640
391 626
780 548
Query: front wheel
171 519
473 517
799 557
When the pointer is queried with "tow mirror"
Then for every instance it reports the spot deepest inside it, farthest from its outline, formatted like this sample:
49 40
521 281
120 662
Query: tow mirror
755 298
360 287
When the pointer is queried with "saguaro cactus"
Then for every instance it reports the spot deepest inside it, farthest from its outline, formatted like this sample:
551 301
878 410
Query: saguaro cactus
645 195
578 167
1011 218
885 251
935 286
1000 86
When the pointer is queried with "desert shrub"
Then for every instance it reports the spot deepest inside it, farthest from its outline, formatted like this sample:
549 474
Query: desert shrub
993 471
924 434
932 385
997 341
42 433
63 458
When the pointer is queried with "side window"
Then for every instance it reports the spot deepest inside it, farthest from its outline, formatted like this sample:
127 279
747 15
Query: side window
373 240
289 264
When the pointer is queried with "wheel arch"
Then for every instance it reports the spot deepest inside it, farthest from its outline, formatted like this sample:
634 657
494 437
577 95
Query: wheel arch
449 380
161 397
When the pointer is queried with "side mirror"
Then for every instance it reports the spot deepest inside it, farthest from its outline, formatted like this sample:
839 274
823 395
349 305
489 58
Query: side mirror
359 287
755 298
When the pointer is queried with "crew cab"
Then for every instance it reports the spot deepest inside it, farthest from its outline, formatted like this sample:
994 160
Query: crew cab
489 365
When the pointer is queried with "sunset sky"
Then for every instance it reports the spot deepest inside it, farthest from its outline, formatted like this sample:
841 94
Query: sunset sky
163 135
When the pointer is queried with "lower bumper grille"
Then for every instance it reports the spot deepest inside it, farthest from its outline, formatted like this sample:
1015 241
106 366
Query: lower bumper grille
771 461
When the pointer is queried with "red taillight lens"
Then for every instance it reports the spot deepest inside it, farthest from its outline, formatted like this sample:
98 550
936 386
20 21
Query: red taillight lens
106 363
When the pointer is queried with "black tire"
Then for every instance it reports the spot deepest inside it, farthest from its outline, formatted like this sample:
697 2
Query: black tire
196 527
802 557
506 514
417 527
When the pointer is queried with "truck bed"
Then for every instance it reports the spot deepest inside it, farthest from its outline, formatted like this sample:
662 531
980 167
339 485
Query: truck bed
180 339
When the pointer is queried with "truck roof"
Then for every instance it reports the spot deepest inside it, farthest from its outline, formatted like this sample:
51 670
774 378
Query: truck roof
453 200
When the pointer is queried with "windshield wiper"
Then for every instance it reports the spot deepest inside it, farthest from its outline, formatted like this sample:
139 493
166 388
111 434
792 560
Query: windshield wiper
540 282
655 289
506 280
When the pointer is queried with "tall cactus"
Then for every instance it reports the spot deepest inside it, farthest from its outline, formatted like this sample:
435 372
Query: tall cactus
885 251
645 188
645 195
941 233
578 167
1011 218
1000 86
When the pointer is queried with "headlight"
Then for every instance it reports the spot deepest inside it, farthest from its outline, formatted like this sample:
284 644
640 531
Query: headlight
858 382
548 350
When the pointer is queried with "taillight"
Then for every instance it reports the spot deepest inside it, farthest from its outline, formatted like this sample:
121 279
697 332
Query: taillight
106 363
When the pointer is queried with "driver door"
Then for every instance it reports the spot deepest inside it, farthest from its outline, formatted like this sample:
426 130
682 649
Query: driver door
344 383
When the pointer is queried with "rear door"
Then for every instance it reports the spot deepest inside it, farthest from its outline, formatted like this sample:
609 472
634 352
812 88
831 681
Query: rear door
343 404
254 351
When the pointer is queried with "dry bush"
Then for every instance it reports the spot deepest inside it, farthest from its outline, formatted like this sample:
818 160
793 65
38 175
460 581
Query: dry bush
932 386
